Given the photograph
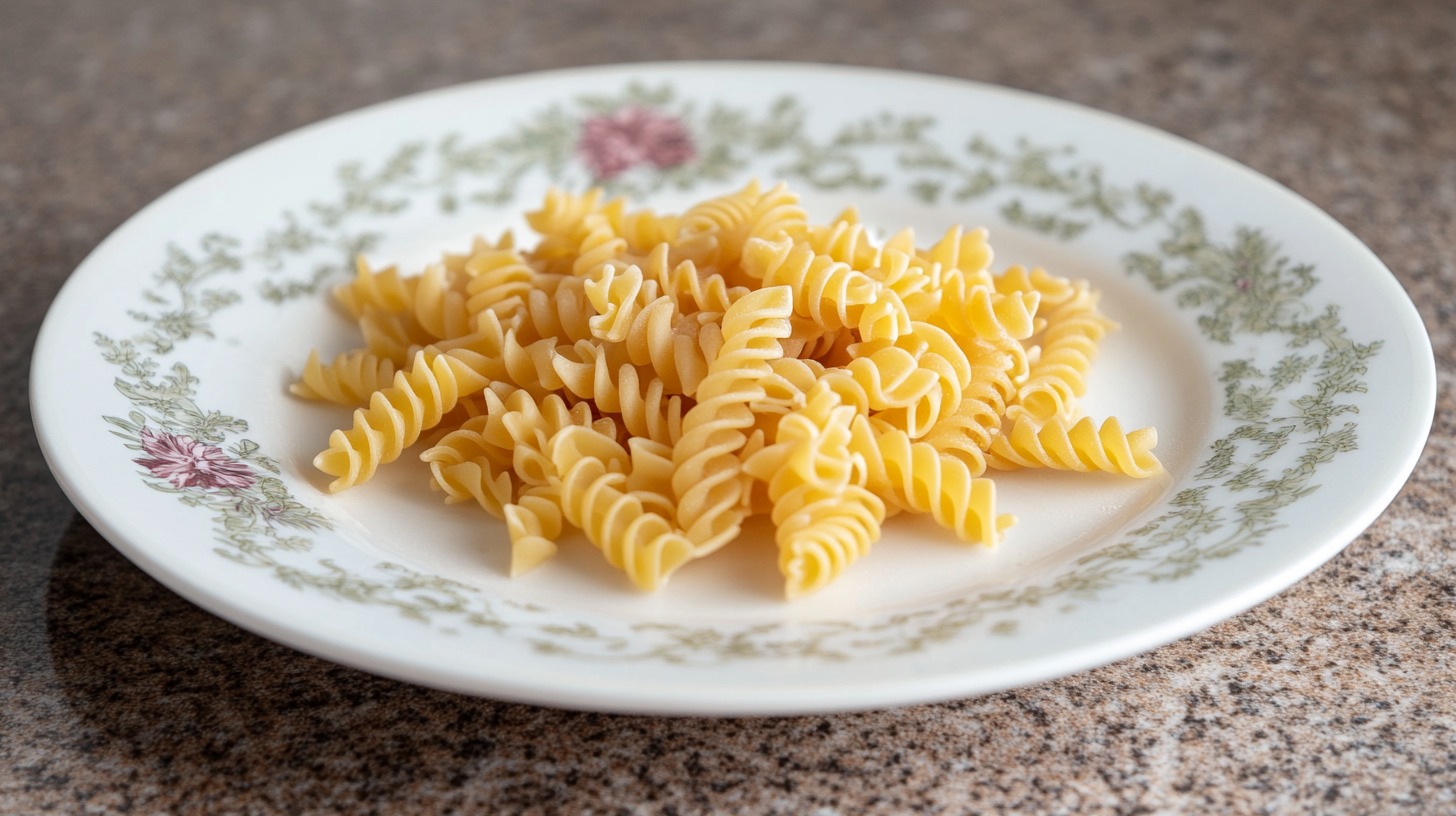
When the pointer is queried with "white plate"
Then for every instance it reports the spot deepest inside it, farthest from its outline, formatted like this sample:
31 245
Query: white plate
1288 374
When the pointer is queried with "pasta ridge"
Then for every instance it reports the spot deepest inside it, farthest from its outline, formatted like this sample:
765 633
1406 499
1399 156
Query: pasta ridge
643 544
706 479
500 280
845 240
828 292
588 371
397 415
1068 346
1080 445
918 478
383 289
692 288
348 379
824 519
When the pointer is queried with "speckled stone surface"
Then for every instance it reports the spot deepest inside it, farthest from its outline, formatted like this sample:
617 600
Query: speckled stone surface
116 696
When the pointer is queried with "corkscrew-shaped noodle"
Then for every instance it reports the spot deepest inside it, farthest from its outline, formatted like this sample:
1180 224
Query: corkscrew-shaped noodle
588 371
966 432
966 252
917 287
693 289
599 245
383 289
890 377
466 468
439 305
617 294
824 517
828 292
917 477
644 230
534 523
933 350
1058 378
397 415
845 240
500 280
561 311
348 379
706 480
561 213
503 453
392 336
641 543
1054 290
652 330
825 536
976 312
1080 445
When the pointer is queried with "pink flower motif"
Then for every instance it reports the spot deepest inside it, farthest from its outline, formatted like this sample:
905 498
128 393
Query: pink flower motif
611 144
185 462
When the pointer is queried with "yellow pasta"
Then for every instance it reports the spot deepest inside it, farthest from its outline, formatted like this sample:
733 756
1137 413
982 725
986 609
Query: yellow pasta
654 379
1081 445
825 519
348 379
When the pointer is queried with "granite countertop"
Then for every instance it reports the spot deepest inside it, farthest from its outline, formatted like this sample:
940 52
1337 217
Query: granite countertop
116 695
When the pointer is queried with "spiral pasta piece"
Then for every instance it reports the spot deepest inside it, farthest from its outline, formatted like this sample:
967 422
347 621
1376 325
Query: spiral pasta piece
976 312
534 522
397 415
641 543
348 379
466 469
383 289
724 226
819 541
933 351
561 213
1081 446
499 459
919 479
966 432
645 230
918 287
561 310
963 251
588 371
600 244
888 378
825 520
1068 345
695 290
706 479
846 241
828 292
393 336
1053 290
655 334
499 280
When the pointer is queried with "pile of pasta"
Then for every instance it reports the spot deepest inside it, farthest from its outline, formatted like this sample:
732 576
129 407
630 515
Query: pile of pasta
655 379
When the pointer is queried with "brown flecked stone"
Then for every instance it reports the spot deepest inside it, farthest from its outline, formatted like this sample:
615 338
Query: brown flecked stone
116 696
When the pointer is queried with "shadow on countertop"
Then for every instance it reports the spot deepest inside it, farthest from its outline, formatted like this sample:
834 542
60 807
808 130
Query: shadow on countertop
201 713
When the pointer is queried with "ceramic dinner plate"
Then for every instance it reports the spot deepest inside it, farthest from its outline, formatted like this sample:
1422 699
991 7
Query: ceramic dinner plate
1288 375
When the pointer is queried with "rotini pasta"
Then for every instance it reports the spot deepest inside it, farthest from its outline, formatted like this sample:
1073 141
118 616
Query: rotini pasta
654 379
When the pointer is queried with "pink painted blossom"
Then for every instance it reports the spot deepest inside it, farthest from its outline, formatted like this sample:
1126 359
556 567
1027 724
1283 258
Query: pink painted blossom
613 143
185 462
